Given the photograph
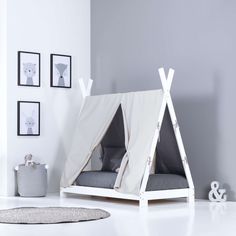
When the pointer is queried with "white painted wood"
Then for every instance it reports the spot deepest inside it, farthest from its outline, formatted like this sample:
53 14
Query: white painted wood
63 194
143 203
86 91
191 196
166 84
101 192
148 195
166 194
166 81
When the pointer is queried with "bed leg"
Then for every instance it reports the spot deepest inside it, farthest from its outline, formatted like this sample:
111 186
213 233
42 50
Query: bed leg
143 203
62 194
191 197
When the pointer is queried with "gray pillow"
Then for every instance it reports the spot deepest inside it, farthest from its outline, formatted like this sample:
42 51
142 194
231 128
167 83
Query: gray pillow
112 158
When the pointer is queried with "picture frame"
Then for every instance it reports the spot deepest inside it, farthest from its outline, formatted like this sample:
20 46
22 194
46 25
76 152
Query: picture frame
61 71
28 118
29 69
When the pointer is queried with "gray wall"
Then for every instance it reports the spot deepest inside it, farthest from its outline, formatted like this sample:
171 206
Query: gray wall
132 38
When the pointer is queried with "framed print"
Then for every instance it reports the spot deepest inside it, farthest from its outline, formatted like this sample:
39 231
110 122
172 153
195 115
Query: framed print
60 71
28 118
28 69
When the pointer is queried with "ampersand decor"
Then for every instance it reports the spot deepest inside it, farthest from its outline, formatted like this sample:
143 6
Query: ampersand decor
216 194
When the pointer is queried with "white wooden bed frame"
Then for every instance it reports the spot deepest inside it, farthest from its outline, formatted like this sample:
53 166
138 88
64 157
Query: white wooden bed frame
145 196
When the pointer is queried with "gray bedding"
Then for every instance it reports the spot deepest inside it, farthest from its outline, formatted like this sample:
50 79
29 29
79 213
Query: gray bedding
166 181
102 179
99 179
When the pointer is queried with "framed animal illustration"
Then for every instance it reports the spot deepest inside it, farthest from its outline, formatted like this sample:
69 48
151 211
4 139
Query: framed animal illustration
28 118
29 69
61 71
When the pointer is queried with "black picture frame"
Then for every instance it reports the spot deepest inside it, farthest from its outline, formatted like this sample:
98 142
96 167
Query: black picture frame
19 70
19 117
68 81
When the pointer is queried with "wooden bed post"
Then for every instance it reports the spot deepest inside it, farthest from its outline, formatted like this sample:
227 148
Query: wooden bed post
166 83
167 103
86 91
143 202
166 87
62 193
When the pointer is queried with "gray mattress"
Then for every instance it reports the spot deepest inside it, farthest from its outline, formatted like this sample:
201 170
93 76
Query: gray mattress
102 179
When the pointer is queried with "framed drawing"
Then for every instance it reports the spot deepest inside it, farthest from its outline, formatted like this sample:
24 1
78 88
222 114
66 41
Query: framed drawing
28 118
28 69
60 71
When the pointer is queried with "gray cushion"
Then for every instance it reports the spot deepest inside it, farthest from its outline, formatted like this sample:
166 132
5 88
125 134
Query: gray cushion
102 179
112 158
99 179
166 181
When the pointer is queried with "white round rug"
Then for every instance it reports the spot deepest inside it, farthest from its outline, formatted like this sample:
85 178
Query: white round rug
50 215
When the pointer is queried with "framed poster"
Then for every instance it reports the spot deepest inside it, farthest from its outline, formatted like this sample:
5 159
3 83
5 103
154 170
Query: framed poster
29 69
28 118
60 71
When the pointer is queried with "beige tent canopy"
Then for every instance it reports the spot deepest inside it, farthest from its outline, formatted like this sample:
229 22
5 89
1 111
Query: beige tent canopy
141 114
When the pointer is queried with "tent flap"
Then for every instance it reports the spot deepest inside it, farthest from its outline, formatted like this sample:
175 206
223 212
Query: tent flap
93 121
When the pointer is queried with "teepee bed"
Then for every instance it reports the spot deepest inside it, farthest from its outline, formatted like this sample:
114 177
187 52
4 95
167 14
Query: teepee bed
128 146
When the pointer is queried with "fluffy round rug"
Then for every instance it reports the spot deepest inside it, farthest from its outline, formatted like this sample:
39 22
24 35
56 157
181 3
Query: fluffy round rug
50 215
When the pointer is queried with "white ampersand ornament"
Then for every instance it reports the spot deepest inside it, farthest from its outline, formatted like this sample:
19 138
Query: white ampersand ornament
216 194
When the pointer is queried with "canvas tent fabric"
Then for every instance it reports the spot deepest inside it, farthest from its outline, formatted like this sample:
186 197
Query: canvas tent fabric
140 113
